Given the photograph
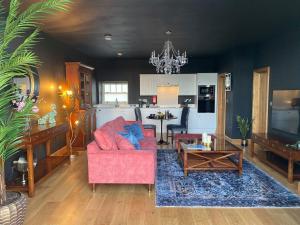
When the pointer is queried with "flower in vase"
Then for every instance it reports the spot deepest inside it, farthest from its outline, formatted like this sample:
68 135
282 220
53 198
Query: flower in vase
20 106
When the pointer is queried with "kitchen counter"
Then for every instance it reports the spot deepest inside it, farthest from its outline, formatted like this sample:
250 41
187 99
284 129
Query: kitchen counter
198 122
112 106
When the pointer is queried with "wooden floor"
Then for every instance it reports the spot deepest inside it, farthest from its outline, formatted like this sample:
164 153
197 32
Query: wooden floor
65 198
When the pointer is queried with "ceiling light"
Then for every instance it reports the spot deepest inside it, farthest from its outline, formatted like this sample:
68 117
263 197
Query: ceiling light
169 60
119 53
108 37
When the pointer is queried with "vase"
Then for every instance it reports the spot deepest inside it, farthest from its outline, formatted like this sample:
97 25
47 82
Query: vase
244 142
13 210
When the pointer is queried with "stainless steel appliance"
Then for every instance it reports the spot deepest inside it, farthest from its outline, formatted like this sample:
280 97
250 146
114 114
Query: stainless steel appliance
206 98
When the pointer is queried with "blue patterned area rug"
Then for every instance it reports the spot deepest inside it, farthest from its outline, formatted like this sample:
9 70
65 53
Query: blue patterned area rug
254 188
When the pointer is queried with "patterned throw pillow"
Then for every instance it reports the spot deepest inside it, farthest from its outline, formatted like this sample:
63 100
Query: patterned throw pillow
136 129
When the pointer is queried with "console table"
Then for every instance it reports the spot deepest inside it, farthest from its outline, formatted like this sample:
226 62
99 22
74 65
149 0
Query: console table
277 147
42 134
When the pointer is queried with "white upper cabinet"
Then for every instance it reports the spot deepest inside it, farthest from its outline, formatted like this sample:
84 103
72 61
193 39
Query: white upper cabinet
186 82
147 86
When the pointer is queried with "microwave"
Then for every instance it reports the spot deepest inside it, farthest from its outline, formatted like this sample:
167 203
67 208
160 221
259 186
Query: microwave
204 90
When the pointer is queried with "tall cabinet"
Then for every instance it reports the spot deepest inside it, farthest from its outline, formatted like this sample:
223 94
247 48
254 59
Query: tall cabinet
79 79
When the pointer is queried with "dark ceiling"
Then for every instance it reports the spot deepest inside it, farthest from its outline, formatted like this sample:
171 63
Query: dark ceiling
202 27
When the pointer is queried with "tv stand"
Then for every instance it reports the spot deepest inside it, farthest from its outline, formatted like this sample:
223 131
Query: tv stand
277 147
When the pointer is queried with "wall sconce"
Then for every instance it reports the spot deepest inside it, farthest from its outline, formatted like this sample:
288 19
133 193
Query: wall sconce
227 81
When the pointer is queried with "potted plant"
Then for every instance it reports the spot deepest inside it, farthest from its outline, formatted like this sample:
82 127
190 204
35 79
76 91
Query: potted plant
244 126
19 31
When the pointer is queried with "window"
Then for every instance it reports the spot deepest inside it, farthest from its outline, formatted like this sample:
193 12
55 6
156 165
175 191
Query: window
115 90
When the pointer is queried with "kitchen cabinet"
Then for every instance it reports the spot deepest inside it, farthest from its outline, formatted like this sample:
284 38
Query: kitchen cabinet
166 79
186 82
147 86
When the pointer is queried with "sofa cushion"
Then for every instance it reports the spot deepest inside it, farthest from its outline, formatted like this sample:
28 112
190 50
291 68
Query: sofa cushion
105 138
117 124
148 143
132 138
136 129
123 143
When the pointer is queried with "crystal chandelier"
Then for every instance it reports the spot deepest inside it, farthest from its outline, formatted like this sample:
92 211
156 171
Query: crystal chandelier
169 60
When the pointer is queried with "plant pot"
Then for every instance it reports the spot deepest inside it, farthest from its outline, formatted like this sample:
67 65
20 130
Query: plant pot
13 211
244 142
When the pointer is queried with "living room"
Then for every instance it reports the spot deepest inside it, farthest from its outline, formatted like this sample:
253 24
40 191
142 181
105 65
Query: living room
112 135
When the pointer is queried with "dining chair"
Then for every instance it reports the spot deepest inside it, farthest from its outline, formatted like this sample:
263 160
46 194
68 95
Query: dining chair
182 127
138 117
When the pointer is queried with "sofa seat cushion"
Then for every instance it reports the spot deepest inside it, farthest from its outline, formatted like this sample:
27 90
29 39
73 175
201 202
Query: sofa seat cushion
148 143
105 138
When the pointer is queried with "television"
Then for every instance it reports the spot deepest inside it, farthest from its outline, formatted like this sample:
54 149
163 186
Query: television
286 112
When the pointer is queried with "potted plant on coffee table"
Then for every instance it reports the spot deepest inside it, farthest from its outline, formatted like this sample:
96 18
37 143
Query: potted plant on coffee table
19 31
244 126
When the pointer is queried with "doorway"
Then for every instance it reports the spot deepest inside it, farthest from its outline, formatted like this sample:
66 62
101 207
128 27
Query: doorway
260 100
221 118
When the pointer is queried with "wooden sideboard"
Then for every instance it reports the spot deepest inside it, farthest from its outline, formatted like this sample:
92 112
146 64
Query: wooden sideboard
42 134
277 147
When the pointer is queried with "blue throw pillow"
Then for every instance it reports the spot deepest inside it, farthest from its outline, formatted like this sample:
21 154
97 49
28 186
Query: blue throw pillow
136 129
131 138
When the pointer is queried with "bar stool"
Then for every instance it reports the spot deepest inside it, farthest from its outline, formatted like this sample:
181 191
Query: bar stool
182 127
138 117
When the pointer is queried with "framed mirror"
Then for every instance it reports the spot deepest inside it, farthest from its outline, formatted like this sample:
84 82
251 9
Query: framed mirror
28 85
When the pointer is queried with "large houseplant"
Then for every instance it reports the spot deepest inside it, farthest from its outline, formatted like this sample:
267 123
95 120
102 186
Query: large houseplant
244 126
19 31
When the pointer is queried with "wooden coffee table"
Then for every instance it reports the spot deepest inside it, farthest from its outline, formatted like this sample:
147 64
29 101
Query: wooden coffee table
218 156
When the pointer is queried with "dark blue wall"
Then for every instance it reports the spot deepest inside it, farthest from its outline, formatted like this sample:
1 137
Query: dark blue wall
281 53
53 55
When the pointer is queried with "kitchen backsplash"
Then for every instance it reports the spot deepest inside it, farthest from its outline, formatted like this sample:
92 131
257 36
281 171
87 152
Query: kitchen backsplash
181 99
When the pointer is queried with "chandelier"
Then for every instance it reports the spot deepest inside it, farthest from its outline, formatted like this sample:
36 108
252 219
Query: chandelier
169 60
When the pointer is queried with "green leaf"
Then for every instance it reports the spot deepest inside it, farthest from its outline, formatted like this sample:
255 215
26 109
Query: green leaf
15 61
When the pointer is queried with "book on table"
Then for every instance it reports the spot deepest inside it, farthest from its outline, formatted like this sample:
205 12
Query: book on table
196 147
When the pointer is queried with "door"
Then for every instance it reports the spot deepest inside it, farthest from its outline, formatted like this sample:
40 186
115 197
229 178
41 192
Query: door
260 100
221 100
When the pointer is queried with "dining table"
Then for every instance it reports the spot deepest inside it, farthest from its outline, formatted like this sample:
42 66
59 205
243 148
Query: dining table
161 118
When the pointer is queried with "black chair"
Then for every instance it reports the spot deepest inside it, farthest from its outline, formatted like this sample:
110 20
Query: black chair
182 127
138 117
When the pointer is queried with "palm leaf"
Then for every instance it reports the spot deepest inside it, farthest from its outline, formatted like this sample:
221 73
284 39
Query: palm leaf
15 62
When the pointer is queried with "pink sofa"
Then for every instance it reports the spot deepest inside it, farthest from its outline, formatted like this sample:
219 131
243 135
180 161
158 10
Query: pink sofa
122 166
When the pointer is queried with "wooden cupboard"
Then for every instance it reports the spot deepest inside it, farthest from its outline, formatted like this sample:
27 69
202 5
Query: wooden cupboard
79 79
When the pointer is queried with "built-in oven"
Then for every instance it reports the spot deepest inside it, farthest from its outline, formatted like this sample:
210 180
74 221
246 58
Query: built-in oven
206 98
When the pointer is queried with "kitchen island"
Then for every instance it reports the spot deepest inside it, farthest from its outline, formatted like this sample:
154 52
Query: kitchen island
198 122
